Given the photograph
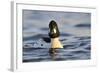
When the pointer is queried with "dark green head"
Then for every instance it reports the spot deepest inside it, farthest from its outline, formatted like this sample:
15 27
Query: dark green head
54 31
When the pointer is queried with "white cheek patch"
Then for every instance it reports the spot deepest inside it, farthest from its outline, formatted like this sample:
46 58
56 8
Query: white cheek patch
54 30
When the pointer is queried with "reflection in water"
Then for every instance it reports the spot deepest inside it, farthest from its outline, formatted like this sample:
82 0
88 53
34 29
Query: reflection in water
52 53
53 56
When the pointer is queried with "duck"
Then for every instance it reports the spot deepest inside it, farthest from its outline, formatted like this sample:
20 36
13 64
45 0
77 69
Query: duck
54 34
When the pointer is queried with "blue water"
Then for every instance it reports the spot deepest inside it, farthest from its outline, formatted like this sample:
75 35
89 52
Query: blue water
36 47
76 38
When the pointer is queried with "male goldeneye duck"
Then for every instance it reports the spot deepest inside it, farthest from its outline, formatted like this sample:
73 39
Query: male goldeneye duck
54 35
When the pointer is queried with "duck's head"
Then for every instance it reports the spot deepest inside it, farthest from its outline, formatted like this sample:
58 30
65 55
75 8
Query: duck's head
54 31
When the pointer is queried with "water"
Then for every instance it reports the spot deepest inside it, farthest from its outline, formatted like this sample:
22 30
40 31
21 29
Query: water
76 47
76 39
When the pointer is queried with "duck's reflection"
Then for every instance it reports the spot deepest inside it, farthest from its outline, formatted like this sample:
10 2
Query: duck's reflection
53 53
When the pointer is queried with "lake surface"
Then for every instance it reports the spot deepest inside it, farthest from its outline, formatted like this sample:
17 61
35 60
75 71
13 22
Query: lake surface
76 39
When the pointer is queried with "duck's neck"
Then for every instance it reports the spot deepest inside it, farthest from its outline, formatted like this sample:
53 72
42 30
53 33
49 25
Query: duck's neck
55 43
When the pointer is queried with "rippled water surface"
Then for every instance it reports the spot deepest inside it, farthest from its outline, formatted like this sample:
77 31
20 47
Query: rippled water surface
75 37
